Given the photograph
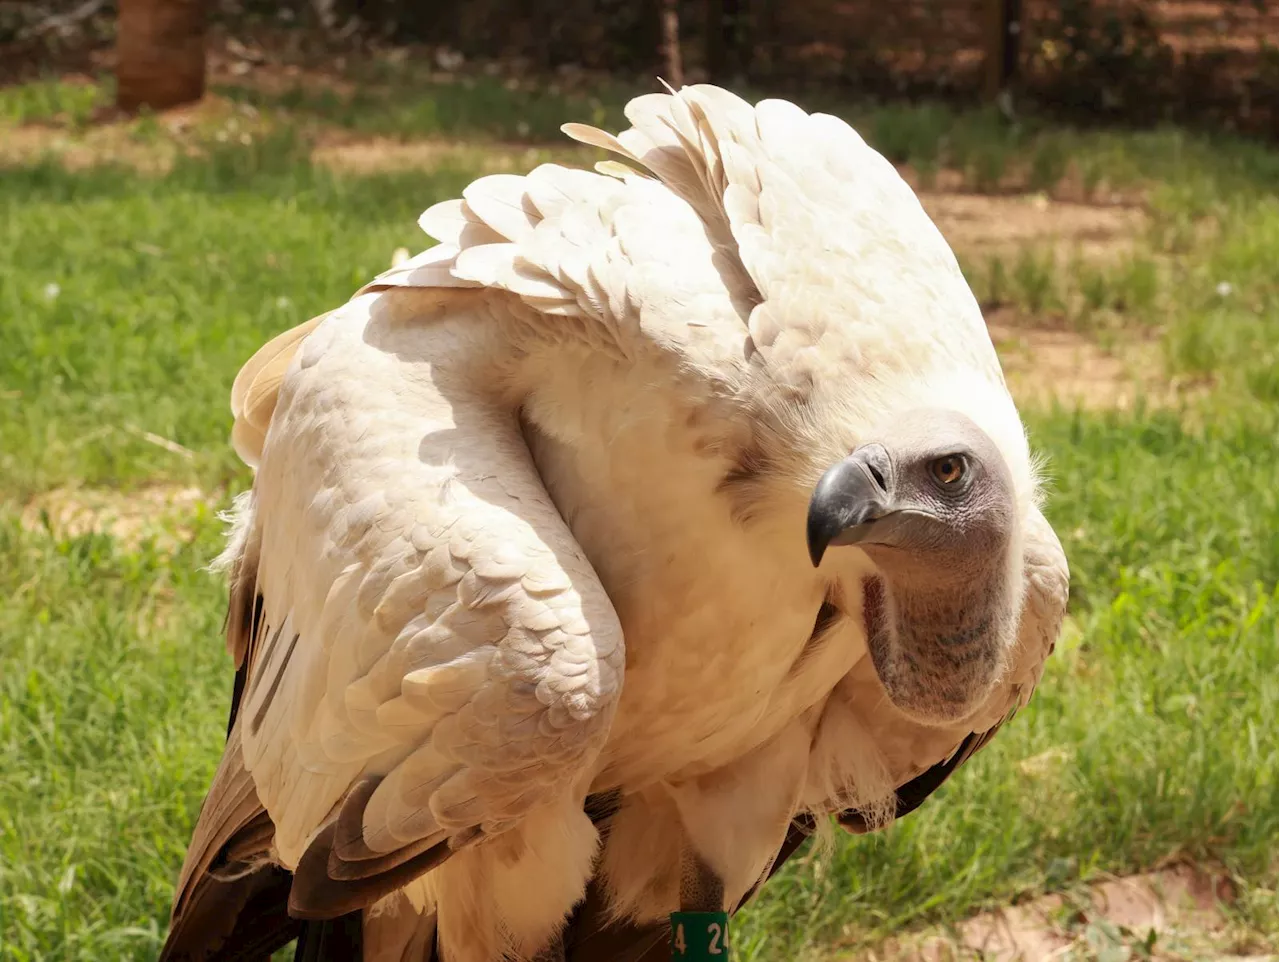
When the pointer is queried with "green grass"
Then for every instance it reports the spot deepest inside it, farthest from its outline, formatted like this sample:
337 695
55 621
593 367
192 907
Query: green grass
1211 304
111 690
53 101
477 108
128 301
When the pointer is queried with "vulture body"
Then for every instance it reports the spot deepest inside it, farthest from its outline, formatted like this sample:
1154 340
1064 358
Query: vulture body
597 553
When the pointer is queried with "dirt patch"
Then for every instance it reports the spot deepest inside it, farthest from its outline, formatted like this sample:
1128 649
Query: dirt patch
379 154
1178 913
159 512
248 65
104 145
1046 366
1004 224
192 130
149 146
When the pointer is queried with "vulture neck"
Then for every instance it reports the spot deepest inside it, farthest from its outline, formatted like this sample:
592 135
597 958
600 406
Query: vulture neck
939 644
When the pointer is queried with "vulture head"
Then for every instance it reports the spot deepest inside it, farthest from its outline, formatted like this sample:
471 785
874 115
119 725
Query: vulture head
931 500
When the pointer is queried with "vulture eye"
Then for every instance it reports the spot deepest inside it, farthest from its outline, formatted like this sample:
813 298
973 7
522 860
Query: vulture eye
949 470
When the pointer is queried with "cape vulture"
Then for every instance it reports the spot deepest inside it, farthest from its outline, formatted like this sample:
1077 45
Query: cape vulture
599 552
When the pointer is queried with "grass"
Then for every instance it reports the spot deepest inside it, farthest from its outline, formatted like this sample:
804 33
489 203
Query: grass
53 101
486 109
128 300
1208 303
109 709
120 314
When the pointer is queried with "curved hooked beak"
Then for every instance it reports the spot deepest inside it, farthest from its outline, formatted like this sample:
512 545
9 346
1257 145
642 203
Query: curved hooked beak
851 496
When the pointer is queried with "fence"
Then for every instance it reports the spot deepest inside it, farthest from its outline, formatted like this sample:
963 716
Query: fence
1207 62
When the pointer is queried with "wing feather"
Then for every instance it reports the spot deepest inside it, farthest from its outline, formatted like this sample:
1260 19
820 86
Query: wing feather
615 262
831 240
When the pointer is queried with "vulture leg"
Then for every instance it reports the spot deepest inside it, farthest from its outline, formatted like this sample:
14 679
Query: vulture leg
701 889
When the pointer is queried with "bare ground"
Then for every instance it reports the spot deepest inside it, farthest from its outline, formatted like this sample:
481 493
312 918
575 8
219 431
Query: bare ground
161 513
1005 223
1177 914
370 155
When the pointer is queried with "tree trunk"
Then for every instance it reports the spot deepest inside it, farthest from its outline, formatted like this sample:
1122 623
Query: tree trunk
673 63
160 57
1002 29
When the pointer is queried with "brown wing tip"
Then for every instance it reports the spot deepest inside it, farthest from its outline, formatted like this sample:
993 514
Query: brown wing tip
338 873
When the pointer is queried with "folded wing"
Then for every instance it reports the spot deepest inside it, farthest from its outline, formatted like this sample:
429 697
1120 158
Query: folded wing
426 655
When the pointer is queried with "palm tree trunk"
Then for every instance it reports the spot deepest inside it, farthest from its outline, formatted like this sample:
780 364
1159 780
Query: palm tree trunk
160 56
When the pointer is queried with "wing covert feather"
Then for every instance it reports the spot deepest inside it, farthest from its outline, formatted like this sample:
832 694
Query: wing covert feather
616 263
834 244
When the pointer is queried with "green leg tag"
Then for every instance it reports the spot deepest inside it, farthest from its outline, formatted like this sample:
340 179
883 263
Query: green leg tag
699 936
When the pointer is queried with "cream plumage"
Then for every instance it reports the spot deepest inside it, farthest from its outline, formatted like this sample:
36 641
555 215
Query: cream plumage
544 539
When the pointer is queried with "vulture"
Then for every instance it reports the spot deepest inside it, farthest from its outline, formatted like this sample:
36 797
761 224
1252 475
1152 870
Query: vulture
601 552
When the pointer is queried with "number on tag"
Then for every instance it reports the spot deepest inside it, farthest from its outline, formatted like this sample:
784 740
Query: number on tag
714 947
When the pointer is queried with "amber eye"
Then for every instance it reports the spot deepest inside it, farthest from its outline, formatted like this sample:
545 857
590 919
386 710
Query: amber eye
948 470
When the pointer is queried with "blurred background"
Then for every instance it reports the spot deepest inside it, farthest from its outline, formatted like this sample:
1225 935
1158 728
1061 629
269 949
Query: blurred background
1201 61
179 181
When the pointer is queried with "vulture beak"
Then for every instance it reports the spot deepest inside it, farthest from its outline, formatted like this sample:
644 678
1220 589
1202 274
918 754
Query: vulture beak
851 496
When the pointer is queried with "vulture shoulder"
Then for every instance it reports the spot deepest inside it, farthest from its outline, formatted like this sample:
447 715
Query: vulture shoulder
612 263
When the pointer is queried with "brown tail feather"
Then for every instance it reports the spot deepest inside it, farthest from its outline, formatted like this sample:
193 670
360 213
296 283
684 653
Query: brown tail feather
230 902
244 920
